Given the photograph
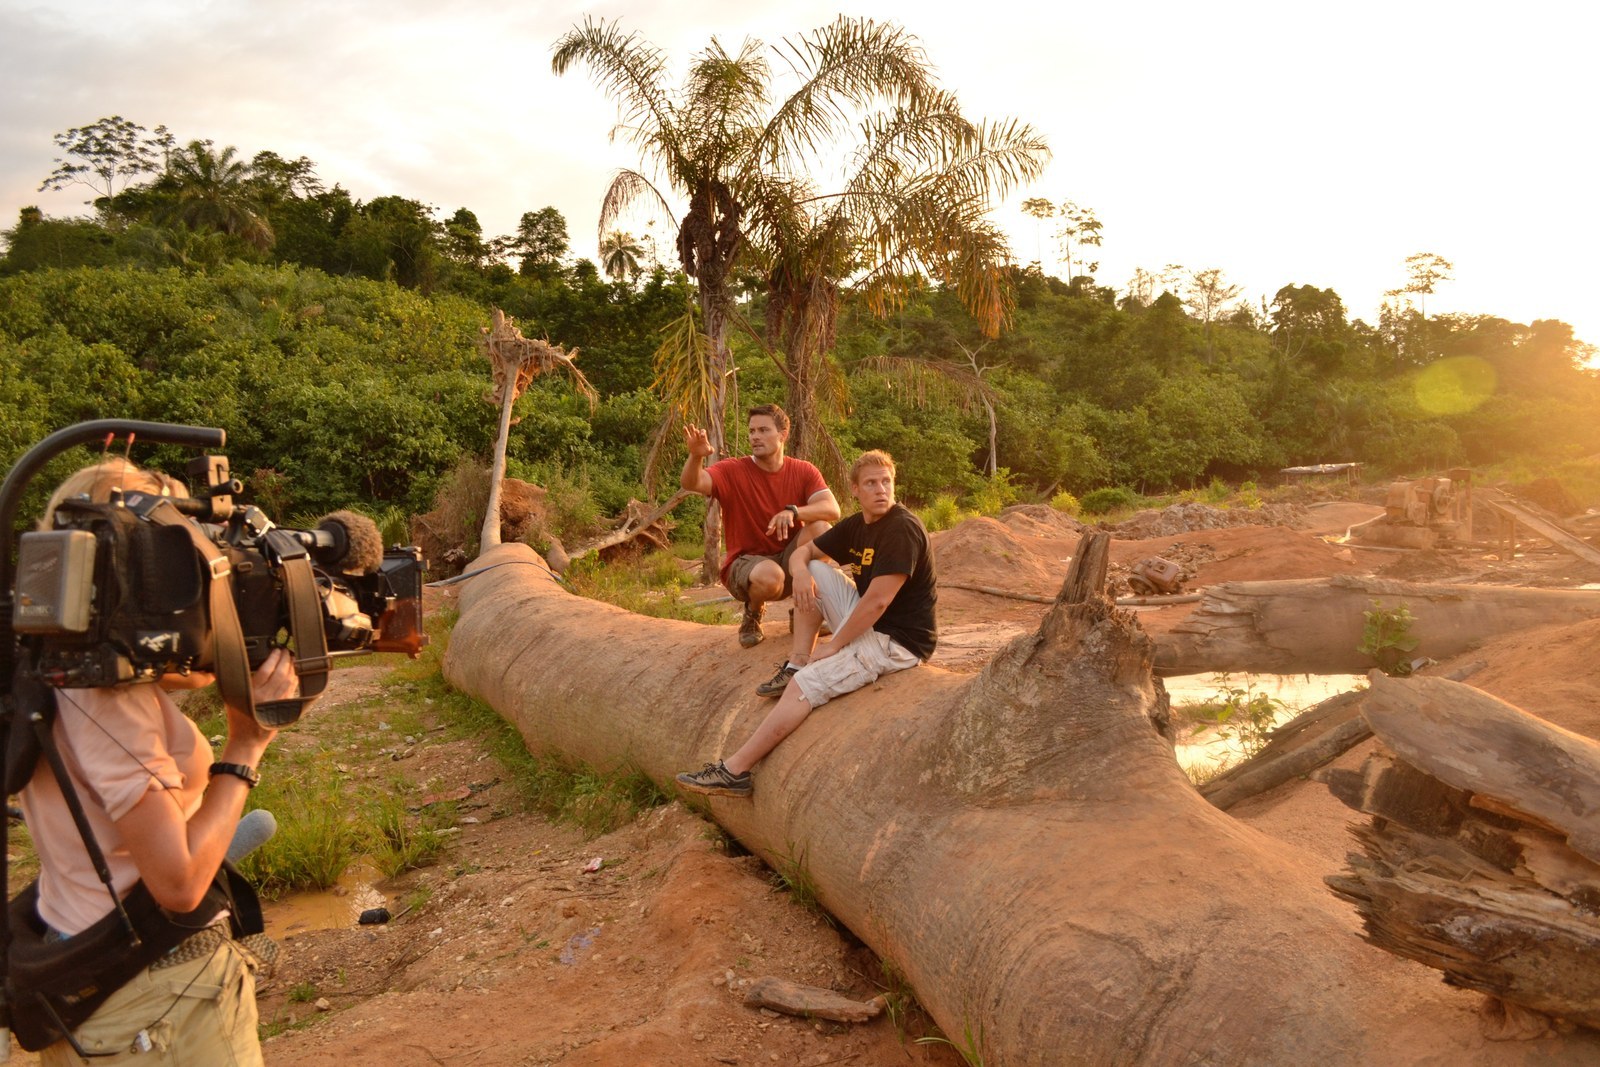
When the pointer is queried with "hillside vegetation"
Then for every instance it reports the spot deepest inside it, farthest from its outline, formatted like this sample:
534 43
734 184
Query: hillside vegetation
335 342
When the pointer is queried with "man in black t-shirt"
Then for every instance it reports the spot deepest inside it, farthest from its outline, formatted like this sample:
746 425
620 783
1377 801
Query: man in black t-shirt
881 614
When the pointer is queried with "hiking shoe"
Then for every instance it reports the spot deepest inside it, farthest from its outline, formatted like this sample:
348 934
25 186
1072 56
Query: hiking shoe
775 685
750 634
715 780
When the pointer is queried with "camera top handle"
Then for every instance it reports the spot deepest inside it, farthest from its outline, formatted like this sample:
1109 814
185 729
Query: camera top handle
24 469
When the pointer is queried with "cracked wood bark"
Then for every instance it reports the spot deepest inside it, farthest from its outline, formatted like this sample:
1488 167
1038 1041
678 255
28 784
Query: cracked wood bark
1020 843
1314 626
1483 856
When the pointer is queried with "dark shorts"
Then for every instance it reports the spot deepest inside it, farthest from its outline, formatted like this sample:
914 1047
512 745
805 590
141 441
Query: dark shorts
739 572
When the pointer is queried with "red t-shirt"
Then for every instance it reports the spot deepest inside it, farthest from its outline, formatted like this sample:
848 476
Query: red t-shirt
750 497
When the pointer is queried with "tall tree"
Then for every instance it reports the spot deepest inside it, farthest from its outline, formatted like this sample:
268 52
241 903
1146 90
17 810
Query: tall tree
1208 292
106 156
620 255
1424 272
721 142
212 190
1079 229
914 208
277 179
540 242
463 239
1038 209
1308 324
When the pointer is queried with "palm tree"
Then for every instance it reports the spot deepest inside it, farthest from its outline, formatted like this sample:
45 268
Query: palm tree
721 142
913 209
619 256
213 191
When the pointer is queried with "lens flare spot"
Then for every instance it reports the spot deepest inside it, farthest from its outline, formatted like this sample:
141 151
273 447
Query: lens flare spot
1455 386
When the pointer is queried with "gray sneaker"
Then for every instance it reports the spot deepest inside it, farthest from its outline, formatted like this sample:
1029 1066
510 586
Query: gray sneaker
716 780
774 686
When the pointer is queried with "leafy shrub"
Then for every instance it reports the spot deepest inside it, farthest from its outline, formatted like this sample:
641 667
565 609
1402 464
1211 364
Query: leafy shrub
1386 636
1108 499
571 511
646 586
1245 715
1066 503
942 514
992 494
462 501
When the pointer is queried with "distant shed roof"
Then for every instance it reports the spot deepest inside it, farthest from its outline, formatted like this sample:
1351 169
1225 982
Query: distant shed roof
1321 468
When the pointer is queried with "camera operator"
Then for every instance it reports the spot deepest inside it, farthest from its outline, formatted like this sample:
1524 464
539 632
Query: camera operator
163 813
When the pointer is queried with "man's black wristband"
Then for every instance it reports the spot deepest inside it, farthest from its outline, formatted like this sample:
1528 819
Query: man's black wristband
791 507
249 775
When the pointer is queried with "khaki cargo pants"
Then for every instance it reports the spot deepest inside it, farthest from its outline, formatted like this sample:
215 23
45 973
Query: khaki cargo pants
199 1012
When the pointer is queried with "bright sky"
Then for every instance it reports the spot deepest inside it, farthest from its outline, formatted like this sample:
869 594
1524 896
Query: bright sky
1285 143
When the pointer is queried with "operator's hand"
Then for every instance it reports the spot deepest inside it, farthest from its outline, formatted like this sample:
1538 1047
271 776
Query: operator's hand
698 441
275 679
783 524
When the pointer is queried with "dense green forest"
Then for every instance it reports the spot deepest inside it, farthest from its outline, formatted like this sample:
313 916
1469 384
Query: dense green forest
335 341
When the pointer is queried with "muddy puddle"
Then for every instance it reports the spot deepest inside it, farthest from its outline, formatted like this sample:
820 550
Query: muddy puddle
1210 750
328 909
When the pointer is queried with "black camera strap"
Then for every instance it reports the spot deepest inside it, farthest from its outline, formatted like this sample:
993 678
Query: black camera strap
41 723
229 658
311 660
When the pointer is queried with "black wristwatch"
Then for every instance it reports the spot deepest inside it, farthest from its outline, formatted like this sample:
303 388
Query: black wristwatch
249 775
791 507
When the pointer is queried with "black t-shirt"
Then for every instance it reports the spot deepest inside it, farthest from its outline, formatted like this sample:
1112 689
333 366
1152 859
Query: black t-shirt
895 544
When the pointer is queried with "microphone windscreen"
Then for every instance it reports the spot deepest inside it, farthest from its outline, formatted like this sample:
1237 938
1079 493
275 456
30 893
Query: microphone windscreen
363 544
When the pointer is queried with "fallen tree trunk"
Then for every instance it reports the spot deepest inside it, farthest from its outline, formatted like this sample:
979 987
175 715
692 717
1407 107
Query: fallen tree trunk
1483 857
1021 843
1314 626
1297 748
1301 745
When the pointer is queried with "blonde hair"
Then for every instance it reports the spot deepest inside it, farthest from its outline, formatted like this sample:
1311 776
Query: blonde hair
875 458
95 482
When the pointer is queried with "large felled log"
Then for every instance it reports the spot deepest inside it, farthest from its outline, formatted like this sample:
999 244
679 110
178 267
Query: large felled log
1020 843
1314 626
1483 859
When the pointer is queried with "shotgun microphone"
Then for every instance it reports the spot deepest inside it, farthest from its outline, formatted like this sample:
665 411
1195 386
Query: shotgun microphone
353 543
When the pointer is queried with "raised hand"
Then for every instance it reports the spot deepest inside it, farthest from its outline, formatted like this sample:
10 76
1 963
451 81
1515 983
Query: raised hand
698 441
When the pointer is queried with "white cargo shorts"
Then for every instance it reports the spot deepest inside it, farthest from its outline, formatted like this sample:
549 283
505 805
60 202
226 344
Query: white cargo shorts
863 661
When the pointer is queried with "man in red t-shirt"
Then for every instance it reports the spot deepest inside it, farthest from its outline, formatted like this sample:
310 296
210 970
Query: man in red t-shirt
770 505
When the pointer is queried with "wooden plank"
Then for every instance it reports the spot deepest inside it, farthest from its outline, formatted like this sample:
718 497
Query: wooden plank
1549 529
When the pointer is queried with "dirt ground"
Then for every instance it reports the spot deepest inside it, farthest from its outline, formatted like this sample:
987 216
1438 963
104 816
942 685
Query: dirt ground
645 960
517 950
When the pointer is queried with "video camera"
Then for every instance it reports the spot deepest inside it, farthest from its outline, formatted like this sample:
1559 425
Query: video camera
146 585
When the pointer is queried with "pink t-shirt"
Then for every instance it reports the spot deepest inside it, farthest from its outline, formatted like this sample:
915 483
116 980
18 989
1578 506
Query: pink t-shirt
118 744
750 497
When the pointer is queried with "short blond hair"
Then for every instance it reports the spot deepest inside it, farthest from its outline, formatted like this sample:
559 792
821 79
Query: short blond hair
95 482
875 458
